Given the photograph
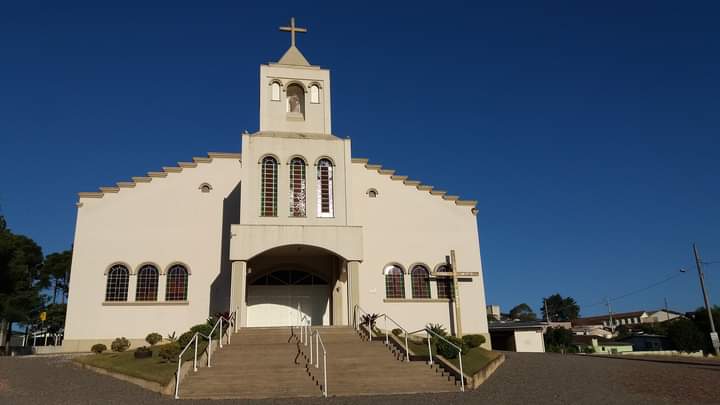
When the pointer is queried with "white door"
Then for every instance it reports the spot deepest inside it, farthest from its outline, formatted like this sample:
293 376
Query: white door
276 305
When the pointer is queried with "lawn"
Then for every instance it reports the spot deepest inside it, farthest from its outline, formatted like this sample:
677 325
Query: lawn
151 369
473 361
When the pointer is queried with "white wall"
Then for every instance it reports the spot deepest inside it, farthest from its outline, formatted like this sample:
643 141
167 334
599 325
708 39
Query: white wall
529 341
408 226
164 221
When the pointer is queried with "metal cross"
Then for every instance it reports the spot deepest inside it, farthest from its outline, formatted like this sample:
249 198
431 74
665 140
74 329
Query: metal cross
292 30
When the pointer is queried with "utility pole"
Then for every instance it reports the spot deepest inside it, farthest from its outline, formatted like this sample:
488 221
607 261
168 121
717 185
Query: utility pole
612 327
667 314
713 333
547 317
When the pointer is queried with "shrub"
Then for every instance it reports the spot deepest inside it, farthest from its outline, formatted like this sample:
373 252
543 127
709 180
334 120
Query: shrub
588 350
171 337
153 338
369 320
185 338
143 349
98 348
473 341
203 329
120 344
437 328
169 352
397 332
448 351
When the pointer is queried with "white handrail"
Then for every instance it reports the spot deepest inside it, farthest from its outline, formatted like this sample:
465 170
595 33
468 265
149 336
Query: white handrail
358 324
196 337
319 342
462 374
387 338
177 376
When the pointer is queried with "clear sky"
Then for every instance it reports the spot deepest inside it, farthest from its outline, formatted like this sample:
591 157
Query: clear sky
590 134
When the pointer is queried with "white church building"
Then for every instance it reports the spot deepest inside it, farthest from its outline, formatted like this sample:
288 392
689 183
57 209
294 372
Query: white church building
291 217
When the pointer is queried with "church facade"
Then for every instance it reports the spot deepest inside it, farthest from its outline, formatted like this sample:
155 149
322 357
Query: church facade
291 220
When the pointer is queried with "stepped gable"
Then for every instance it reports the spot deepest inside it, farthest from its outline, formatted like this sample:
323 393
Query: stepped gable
164 173
417 184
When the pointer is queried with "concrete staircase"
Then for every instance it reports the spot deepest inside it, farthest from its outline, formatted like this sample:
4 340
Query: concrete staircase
260 363
358 367
270 363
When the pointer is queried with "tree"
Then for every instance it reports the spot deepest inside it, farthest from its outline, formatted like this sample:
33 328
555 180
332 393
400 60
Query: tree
685 335
523 312
558 340
20 277
701 320
56 269
560 309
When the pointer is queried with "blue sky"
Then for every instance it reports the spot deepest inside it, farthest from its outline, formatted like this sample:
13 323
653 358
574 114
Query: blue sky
590 134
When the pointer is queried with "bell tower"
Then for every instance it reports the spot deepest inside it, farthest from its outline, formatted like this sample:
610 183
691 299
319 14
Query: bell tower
294 95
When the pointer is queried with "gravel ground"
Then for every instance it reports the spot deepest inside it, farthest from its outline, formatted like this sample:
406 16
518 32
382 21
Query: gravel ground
523 379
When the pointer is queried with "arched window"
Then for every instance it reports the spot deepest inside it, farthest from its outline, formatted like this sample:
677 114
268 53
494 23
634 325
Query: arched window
177 283
394 282
268 187
444 284
325 188
117 283
297 187
147 283
275 91
296 100
420 277
314 94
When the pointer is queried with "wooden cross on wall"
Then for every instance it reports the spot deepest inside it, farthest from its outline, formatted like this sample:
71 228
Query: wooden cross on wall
455 276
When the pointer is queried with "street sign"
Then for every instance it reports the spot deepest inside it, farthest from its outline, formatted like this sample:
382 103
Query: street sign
43 316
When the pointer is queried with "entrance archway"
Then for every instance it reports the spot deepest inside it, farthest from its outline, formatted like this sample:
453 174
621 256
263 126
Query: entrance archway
281 279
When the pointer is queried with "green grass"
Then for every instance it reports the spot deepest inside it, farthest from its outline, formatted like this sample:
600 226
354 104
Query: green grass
151 369
473 361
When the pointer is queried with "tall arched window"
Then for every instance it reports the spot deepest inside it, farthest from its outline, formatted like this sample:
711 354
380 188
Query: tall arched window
117 283
394 282
297 187
268 187
295 100
275 91
177 283
444 284
420 277
325 188
147 283
314 94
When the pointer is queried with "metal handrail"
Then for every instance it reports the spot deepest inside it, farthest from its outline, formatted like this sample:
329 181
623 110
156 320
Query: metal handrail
356 319
462 374
387 338
196 337
177 376
318 343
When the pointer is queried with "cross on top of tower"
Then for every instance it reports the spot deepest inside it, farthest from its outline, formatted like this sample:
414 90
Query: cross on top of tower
292 30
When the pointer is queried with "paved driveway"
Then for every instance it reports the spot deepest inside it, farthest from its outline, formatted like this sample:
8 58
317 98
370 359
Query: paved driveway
523 379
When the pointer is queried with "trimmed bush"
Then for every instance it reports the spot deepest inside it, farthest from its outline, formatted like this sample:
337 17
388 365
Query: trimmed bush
169 352
448 351
185 338
143 352
153 338
397 332
473 341
202 328
120 344
98 348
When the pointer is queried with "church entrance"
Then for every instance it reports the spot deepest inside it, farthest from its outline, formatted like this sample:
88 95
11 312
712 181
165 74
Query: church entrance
281 279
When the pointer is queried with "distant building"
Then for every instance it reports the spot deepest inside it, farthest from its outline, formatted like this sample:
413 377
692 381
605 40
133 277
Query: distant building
494 312
600 345
521 336
625 318
648 342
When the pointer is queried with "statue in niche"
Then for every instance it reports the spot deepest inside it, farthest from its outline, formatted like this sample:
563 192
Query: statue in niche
295 99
